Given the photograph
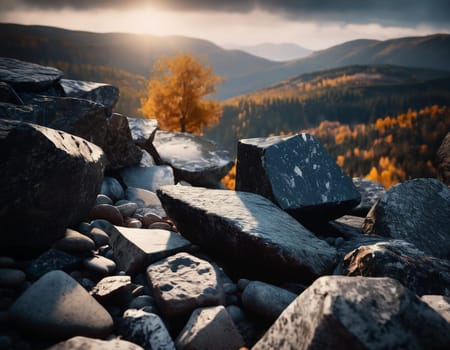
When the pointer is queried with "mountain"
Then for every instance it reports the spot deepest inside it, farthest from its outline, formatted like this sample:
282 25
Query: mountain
244 73
274 52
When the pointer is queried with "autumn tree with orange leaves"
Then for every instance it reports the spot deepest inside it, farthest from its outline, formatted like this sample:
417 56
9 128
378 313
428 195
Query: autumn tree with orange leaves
176 94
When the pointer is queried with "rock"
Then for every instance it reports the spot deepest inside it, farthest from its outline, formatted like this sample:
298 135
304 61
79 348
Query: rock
51 260
143 131
112 188
26 76
104 94
103 199
248 232
127 209
99 265
133 223
209 328
265 300
338 312
147 330
57 307
145 199
148 178
112 290
182 283
146 159
11 278
297 174
443 160
370 192
75 242
416 211
6 261
439 303
402 261
84 343
194 159
135 249
161 225
99 237
119 145
107 212
141 301
347 226
8 95
36 160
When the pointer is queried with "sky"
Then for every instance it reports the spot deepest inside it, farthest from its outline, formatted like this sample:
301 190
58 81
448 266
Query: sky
314 24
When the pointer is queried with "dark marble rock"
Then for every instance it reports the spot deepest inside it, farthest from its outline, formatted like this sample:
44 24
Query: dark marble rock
416 211
397 259
297 174
26 76
119 145
8 95
17 112
84 343
443 160
248 232
104 94
370 192
338 312
194 159
57 307
51 260
134 248
59 174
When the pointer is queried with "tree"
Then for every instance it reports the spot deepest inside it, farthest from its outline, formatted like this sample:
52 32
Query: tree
176 94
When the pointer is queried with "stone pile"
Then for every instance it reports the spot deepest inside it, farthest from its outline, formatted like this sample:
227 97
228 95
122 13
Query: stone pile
103 249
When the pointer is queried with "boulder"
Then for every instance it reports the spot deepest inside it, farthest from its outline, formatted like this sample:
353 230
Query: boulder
26 76
19 112
182 283
104 94
248 232
134 248
84 343
402 261
118 145
297 174
194 159
148 178
265 300
146 329
338 312
416 211
209 328
59 174
443 160
8 95
439 303
57 307
371 192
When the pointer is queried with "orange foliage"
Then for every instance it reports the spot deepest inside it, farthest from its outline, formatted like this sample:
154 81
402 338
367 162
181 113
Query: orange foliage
229 181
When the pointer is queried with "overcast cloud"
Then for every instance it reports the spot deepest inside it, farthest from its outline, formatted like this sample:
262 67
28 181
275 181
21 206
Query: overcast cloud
406 13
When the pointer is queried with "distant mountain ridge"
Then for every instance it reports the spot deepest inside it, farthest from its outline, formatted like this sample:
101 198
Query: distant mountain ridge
274 52
243 72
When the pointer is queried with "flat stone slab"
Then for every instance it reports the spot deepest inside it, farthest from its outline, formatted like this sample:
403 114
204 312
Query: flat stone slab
182 283
136 248
57 307
296 173
338 312
26 76
84 343
248 232
416 211
194 159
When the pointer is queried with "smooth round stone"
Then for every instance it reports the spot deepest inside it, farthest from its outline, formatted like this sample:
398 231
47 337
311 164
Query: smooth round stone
107 212
84 228
150 218
242 284
75 242
6 261
112 188
161 225
99 237
100 265
105 225
103 199
133 223
141 302
127 209
11 278
230 288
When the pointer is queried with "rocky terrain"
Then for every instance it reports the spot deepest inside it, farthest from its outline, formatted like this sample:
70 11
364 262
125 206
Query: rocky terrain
116 235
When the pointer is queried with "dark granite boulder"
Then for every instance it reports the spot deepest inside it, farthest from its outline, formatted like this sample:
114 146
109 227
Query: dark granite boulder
443 159
338 312
49 180
416 211
26 76
297 174
8 95
248 232
193 158
105 94
402 261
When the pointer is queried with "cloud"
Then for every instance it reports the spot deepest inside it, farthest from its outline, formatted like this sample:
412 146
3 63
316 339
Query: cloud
407 13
